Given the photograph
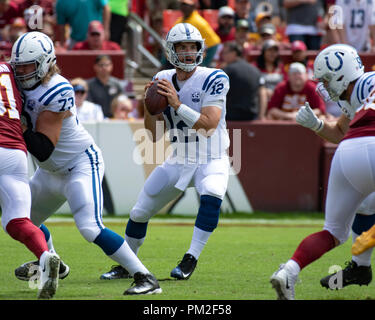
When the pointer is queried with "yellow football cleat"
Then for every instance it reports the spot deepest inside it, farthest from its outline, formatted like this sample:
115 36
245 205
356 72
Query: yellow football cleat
365 241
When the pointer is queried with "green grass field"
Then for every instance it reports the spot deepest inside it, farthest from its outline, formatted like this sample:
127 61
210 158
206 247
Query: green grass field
236 264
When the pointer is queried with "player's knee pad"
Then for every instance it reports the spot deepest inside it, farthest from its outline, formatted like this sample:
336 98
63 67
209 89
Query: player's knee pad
109 241
362 223
208 214
136 230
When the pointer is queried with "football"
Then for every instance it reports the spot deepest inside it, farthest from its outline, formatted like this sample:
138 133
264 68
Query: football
154 101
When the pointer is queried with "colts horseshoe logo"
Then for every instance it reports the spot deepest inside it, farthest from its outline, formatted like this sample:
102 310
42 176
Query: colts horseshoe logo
337 54
48 50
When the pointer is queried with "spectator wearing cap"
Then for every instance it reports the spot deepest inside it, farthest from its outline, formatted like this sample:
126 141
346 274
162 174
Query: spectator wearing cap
96 39
226 29
243 77
265 32
191 15
242 10
299 54
104 87
268 62
77 14
291 94
86 110
242 37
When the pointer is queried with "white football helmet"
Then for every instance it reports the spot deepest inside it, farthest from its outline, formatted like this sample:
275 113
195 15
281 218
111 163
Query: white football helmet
337 66
184 32
32 47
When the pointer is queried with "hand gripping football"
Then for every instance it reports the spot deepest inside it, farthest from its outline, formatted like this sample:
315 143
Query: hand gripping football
154 101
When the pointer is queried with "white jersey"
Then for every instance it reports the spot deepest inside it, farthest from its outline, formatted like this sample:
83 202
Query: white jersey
58 96
357 16
206 87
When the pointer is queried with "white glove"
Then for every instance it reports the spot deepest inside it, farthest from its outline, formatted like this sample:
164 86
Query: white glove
307 118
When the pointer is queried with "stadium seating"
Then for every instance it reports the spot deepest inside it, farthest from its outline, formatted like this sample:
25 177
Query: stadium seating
80 63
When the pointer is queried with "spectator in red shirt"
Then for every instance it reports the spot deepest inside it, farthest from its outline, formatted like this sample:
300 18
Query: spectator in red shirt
291 94
226 29
9 10
96 39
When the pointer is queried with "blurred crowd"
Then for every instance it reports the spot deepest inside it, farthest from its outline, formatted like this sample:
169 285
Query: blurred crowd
250 35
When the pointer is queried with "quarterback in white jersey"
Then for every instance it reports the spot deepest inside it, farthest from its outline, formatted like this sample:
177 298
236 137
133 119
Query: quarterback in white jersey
350 186
195 119
70 165
355 23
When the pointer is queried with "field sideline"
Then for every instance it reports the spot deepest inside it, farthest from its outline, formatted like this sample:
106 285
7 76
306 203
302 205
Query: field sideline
236 264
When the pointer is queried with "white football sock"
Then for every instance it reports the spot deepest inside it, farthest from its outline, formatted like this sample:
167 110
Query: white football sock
50 245
134 243
127 258
293 267
364 259
198 242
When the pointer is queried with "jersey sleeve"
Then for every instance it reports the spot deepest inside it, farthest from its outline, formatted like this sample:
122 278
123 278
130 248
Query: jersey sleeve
58 98
215 89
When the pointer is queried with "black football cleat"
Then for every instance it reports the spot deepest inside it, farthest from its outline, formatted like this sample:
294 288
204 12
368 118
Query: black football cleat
185 268
143 284
116 272
352 274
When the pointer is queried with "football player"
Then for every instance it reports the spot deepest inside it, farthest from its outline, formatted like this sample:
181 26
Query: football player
342 79
15 197
195 119
70 164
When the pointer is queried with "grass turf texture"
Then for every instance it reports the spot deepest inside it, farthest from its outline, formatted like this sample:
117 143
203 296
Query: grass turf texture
236 264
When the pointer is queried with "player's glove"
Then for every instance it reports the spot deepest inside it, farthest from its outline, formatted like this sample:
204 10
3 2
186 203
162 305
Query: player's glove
307 118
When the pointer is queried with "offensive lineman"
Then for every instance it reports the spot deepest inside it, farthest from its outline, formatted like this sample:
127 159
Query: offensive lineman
197 100
341 74
70 164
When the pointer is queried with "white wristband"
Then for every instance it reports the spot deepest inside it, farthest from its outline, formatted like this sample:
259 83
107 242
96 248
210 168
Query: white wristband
187 114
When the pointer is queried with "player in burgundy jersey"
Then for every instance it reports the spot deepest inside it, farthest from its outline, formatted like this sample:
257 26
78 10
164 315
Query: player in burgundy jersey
15 196
340 72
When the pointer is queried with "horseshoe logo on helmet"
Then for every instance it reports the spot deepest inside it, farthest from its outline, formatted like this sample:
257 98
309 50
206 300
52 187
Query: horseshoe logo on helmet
45 49
337 54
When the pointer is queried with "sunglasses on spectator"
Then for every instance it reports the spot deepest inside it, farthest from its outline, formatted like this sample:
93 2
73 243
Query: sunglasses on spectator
94 34
80 92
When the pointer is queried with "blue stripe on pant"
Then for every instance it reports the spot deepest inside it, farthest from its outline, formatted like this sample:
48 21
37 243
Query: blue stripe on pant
107 240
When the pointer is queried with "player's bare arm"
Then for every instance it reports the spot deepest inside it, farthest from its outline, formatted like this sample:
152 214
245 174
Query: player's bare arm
335 131
49 123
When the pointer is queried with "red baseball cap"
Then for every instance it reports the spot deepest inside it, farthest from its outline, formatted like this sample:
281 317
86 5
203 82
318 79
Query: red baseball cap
298 45
95 26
